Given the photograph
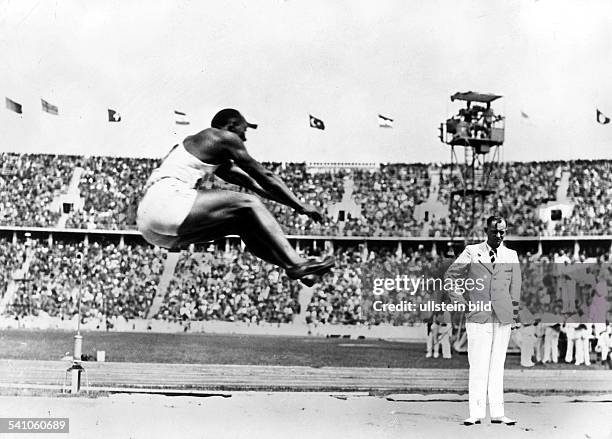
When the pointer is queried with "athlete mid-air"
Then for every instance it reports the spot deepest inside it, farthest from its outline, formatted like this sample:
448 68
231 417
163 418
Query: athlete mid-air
174 214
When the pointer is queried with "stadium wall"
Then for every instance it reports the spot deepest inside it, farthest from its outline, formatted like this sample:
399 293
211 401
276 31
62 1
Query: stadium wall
7 230
414 333
591 245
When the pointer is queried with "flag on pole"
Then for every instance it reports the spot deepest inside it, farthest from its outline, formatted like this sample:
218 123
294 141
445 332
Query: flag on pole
48 108
385 122
180 118
13 106
602 118
316 123
114 116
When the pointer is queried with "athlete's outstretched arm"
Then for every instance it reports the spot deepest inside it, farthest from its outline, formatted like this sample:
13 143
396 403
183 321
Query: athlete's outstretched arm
272 184
234 175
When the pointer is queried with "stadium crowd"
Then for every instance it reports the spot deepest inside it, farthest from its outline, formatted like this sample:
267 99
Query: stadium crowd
233 285
111 188
591 190
518 190
229 285
117 280
338 297
28 185
11 260
386 197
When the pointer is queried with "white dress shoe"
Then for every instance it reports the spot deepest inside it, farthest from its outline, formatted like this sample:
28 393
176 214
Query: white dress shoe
472 421
503 420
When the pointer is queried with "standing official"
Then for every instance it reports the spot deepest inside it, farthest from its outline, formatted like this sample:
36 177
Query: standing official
432 334
495 267
445 331
598 313
539 333
570 326
552 328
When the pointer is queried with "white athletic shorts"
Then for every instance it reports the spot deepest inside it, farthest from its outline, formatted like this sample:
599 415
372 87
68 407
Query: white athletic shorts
163 209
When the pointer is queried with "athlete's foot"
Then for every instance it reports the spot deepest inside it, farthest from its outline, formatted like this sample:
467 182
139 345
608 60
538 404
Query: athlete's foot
314 267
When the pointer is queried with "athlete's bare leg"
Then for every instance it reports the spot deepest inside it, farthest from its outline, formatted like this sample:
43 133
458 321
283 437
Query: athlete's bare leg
200 238
215 214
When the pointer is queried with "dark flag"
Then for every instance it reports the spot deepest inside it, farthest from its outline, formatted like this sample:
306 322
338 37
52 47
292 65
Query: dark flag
113 116
385 122
602 118
48 108
524 115
13 106
316 123
180 118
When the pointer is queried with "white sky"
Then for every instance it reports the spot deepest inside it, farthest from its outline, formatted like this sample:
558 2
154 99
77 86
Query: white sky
277 61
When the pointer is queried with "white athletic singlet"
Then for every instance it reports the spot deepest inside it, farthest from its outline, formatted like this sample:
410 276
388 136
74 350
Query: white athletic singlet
169 195
181 165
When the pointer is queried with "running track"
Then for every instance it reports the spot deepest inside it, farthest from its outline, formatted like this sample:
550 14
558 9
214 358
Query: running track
197 377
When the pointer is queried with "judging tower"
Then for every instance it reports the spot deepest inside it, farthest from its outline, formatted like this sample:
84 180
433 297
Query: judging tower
474 175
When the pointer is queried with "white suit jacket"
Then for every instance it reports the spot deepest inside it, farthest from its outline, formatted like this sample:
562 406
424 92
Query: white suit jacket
501 285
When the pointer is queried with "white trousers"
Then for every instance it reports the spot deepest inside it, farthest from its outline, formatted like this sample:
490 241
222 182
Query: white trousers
582 347
569 353
444 343
431 338
487 346
551 345
527 344
539 347
603 340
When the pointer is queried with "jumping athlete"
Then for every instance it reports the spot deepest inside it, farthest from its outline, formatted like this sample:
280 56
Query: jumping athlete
174 214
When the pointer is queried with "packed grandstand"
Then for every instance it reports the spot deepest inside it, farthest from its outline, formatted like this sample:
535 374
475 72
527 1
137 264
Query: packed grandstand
55 208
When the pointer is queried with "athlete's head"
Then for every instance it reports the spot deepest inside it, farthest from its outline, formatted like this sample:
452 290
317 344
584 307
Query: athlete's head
231 120
496 230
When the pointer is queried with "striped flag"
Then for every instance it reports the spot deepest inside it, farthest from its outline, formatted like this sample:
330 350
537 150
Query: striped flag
13 106
180 118
385 122
114 116
48 108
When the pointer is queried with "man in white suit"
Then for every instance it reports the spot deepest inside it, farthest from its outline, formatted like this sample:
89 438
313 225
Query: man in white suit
496 268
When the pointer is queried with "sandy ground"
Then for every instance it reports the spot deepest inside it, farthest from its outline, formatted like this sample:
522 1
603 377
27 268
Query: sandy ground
309 415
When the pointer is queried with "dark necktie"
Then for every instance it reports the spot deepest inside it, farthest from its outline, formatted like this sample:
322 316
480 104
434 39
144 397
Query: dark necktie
492 255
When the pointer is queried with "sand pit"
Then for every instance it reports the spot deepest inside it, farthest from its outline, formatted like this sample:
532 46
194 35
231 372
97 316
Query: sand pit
309 415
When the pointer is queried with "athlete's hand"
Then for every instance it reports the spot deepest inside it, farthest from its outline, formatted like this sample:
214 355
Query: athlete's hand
311 212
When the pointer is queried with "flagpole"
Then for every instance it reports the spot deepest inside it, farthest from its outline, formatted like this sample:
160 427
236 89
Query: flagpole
310 130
